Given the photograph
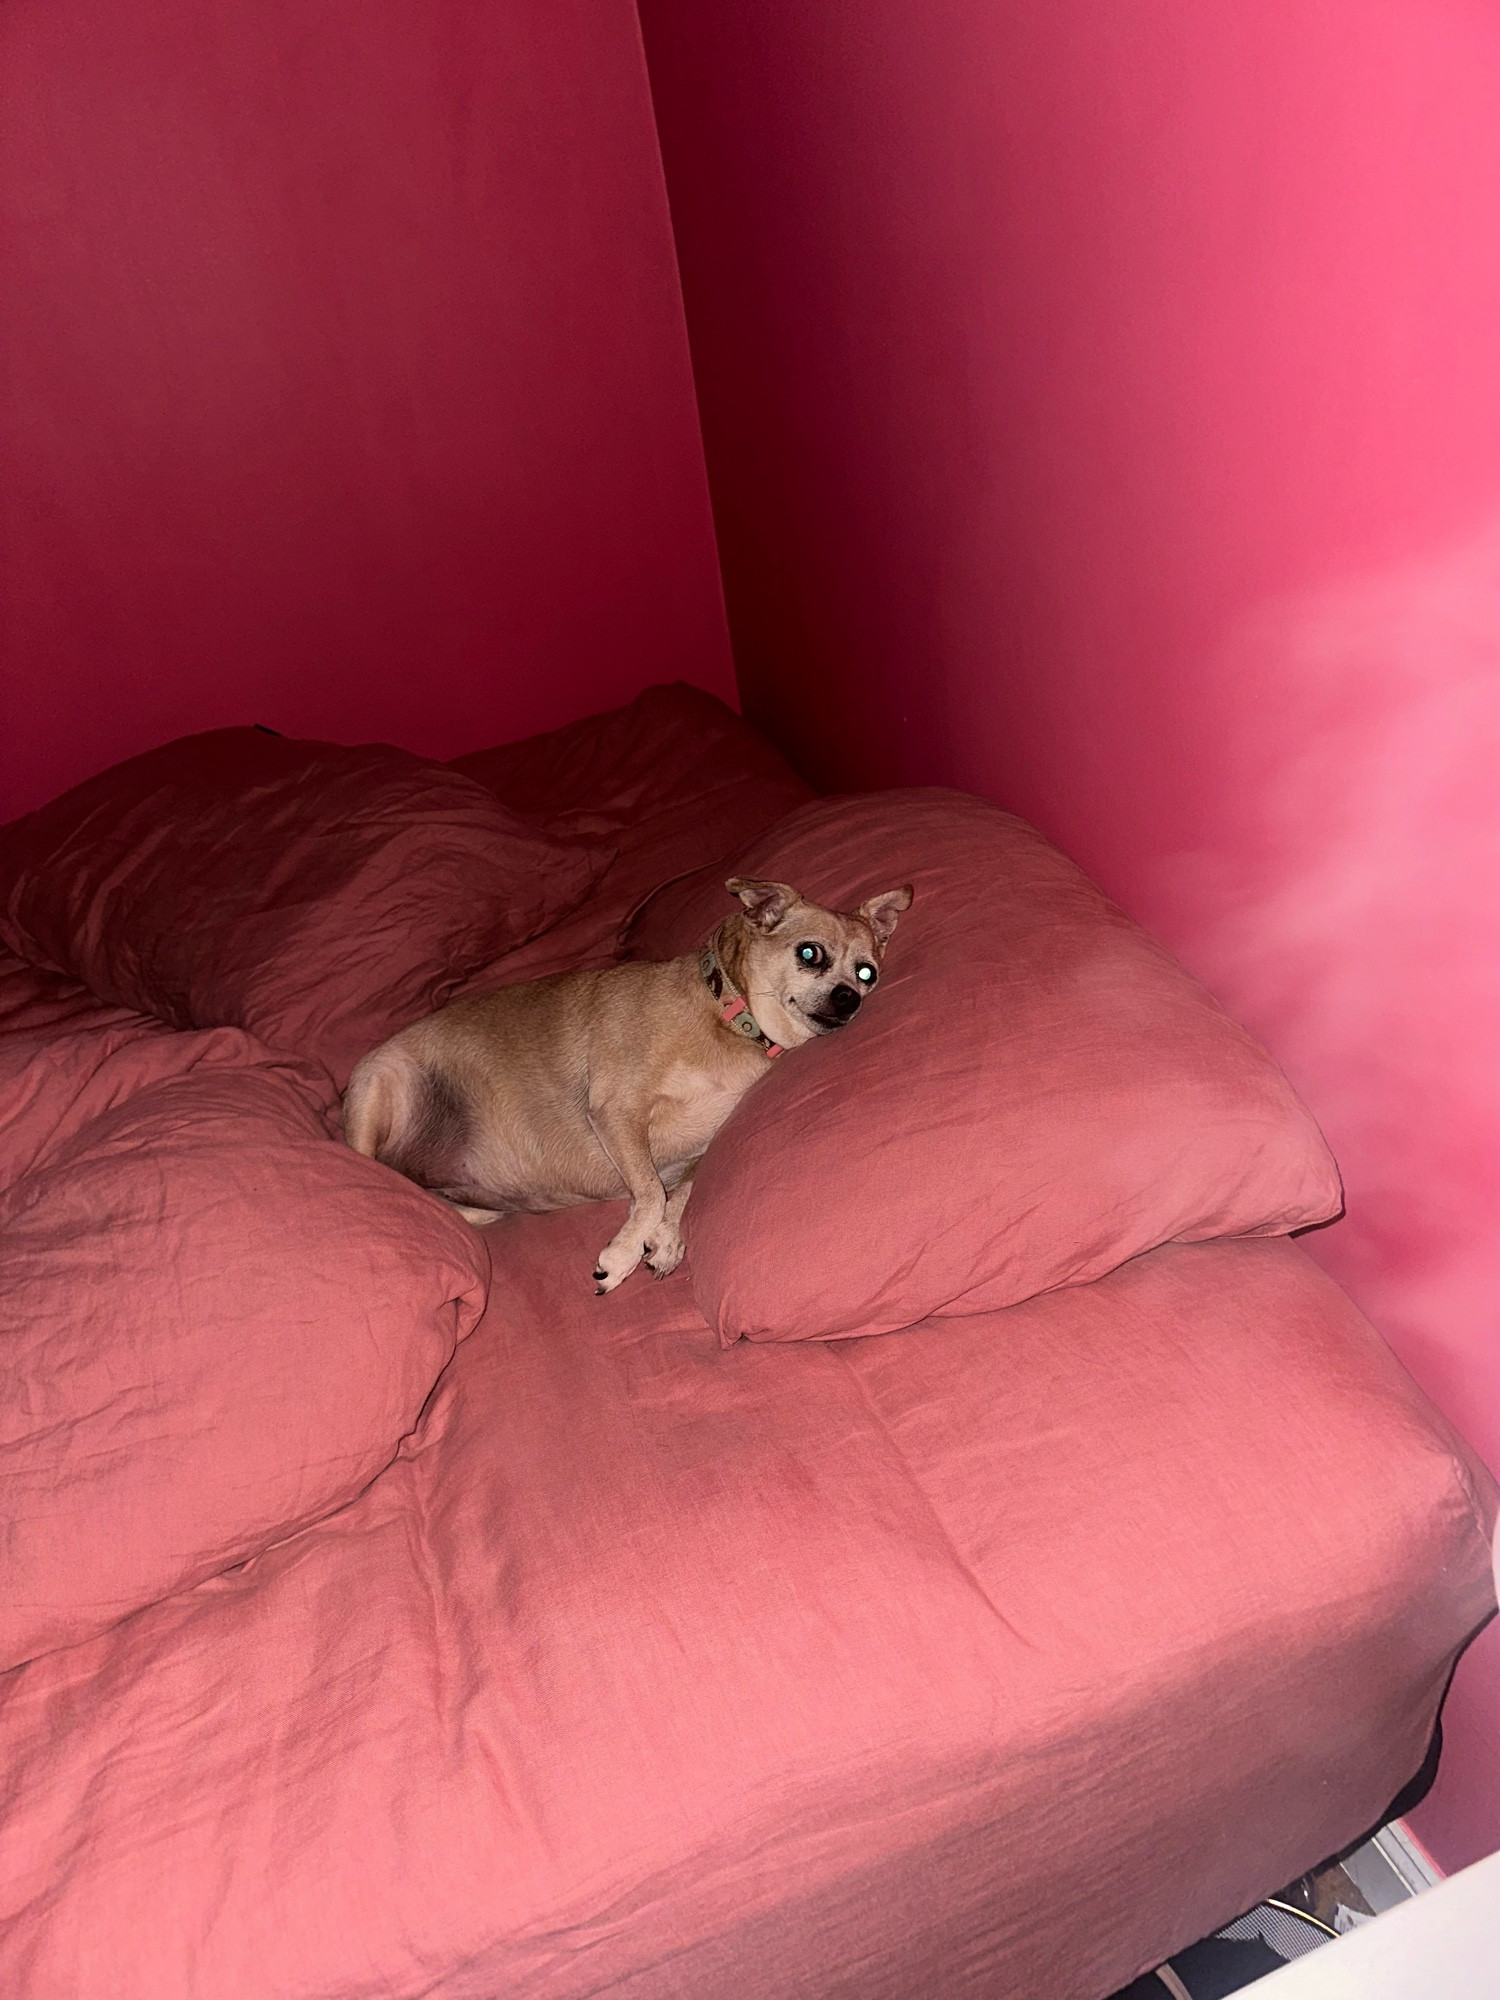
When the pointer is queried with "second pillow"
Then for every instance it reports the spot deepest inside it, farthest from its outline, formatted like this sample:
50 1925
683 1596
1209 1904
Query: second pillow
1036 1092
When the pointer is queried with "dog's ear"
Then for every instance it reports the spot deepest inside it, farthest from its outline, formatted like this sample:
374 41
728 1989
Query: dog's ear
881 912
766 903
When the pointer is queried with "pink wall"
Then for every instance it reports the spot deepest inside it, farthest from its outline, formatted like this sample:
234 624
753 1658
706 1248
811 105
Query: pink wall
345 387
1103 411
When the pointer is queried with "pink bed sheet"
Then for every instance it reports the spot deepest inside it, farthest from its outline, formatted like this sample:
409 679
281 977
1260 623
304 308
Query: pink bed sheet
995 1657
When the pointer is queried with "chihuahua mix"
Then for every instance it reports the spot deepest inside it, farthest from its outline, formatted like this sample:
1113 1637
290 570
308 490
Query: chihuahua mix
592 1085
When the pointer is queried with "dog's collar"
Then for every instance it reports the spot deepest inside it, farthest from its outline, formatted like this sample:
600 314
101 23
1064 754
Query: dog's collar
734 1008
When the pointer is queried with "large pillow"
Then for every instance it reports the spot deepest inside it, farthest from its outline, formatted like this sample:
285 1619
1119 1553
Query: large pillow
1036 1092
217 1324
318 896
34 1002
52 1087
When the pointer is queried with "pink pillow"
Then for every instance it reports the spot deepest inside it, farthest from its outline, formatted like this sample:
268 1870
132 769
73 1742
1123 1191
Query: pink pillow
318 896
54 1086
216 1325
1036 1092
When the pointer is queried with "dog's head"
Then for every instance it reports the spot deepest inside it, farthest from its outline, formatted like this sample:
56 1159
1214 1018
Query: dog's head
805 970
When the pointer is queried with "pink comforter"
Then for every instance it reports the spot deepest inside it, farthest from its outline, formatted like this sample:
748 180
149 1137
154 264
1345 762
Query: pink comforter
977 1659
998 1656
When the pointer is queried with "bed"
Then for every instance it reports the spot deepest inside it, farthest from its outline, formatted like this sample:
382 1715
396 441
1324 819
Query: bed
387 1616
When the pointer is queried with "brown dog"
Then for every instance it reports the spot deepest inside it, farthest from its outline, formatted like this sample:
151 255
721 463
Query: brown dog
591 1085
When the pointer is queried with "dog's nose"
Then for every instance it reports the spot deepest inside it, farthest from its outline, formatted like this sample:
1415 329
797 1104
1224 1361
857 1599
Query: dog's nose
843 1001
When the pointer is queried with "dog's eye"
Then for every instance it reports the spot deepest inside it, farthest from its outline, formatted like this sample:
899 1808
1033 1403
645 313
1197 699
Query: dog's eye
865 974
812 955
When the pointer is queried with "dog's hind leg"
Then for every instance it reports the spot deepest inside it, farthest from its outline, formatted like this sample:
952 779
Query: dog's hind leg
375 1099
474 1204
402 1114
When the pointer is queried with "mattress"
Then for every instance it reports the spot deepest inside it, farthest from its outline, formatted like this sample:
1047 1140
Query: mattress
998 1656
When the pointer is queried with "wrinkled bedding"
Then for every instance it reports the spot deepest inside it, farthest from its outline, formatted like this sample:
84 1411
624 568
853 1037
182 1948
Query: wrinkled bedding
997 1656
318 896
670 783
216 1325
986 1660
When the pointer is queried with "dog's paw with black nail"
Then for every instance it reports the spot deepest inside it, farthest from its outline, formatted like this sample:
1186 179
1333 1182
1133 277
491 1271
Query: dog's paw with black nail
664 1254
617 1260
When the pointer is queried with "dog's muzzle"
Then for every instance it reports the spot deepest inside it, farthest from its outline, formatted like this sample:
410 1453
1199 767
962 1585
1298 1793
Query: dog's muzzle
841 1005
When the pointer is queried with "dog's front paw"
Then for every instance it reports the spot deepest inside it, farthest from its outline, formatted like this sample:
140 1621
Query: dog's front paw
663 1253
616 1262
